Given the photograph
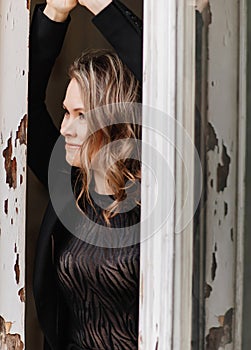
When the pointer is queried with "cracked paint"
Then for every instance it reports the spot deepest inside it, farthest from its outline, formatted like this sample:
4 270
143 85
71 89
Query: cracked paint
223 170
17 269
10 163
220 336
214 266
232 234
6 206
9 341
21 294
207 291
10 166
212 140
21 133
214 263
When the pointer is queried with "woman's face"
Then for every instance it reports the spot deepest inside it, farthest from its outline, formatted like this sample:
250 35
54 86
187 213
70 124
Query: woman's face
74 124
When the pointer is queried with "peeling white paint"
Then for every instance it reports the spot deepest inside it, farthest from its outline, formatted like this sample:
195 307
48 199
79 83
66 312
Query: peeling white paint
223 60
14 24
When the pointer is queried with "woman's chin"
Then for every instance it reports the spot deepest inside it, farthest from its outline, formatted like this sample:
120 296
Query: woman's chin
72 161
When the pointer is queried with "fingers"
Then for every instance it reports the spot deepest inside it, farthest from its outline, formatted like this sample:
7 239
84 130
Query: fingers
58 10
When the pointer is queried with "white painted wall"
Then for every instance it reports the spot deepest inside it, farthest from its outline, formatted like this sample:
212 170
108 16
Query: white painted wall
13 108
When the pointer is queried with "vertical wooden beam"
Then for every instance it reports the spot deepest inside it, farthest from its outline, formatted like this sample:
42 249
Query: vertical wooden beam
14 23
241 174
246 312
157 253
167 194
185 176
223 234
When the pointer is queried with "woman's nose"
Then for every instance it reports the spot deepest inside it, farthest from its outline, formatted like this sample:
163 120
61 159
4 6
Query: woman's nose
68 127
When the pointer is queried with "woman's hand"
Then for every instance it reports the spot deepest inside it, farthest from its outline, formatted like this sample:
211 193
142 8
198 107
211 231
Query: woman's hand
58 10
95 6
201 5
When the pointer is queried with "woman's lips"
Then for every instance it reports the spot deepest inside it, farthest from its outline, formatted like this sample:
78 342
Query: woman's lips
72 146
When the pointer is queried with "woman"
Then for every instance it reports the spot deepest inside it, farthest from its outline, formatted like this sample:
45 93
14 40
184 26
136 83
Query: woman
86 295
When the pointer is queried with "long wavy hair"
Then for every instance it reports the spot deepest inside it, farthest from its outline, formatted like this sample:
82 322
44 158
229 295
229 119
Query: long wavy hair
110 93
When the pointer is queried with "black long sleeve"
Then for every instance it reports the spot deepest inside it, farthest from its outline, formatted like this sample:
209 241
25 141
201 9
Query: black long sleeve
46 40
124 31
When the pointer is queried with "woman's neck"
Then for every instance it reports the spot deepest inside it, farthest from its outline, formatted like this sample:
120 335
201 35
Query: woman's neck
100 184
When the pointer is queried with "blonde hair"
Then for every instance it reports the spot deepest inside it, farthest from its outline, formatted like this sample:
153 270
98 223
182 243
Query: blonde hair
110 92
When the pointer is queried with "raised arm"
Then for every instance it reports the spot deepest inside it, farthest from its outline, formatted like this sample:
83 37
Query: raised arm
48 29
122 28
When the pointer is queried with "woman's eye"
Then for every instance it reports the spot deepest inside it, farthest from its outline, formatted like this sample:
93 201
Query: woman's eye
66 113
81 116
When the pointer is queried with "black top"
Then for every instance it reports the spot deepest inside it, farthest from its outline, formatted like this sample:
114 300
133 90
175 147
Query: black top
99 285
96 304
97 271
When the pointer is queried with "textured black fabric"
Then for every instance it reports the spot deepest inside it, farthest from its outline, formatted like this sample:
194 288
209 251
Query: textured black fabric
125 35
100 286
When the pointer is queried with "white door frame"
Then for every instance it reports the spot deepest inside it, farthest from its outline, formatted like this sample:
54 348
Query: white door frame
166 251
14 25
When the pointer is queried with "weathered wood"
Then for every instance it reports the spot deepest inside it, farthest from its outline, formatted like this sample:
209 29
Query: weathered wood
225 169
14 22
